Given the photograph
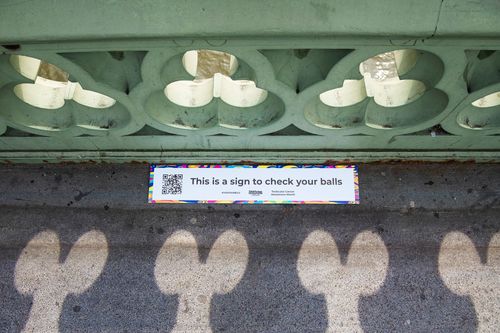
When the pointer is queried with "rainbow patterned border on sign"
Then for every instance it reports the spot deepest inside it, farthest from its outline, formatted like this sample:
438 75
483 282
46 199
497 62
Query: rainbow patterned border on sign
277 166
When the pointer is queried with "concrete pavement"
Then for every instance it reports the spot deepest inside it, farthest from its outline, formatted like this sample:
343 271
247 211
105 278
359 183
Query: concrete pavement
82 251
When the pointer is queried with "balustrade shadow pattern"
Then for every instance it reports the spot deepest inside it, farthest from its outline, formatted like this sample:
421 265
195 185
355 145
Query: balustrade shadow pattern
270 295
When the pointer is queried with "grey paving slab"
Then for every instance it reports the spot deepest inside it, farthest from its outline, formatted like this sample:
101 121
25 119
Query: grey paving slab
81 251
383 186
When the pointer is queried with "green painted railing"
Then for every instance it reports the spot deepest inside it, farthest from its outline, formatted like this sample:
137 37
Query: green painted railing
267 81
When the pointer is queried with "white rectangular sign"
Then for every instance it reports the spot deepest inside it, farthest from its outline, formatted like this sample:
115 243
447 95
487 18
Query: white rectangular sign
254 184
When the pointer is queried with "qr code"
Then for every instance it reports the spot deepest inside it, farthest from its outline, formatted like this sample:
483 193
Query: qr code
172 184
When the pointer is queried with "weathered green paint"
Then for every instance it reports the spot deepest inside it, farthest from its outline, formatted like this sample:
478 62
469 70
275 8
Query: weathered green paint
130 50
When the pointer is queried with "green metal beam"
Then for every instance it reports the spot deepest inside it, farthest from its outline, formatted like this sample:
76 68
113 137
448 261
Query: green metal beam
73 20
223 157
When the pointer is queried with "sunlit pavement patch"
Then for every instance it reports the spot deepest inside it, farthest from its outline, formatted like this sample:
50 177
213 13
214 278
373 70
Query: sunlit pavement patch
178 271
40 273
464 273
322 272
